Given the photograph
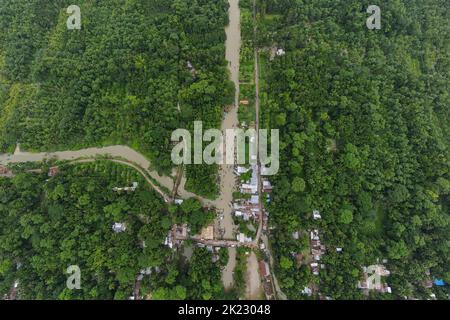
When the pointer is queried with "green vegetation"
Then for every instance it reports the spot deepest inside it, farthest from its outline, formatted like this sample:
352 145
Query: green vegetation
240 271
118 80
192 213
245 177
364 129
247 64
198 279
47 226
245 227
202 179
136 71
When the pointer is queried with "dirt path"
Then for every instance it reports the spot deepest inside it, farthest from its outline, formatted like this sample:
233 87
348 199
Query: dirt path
227 275
253 289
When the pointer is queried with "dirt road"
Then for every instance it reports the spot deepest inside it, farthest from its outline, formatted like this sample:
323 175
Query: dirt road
253 289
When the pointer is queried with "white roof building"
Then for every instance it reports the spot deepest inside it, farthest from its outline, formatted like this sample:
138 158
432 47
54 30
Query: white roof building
316 215
132 188
242 238
307 291
168 242
146 271
249 188
240 170
119 227
267 186
315 235
281 52
315 268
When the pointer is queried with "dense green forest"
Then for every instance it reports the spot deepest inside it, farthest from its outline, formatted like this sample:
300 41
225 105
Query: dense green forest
135 71
47 225
196 278
364 130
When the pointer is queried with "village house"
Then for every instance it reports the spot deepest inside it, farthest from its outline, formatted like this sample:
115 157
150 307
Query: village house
247 209
168 242
317 251
254 200
215 257
5 172
242 238
243 215
281 52
268 288
241 170
307 291
264 272
315 268
267 186
276 52
247 188
180 231
264 269
132 188
53 171
317 215
191 68
14 291
119 227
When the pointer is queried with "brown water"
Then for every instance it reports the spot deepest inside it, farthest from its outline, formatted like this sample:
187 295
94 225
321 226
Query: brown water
114 151
227 176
